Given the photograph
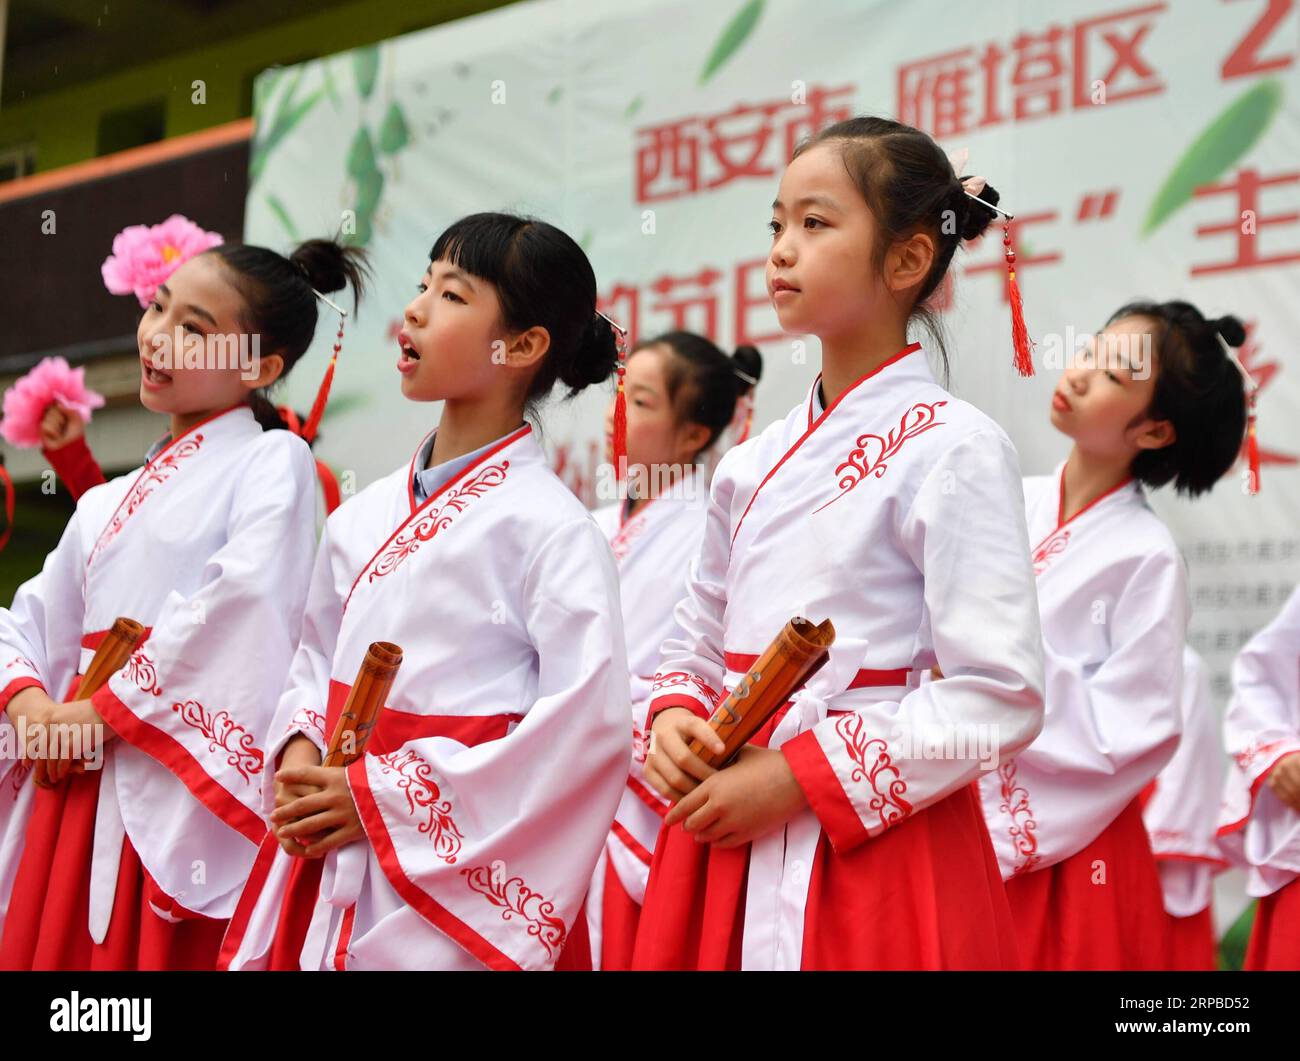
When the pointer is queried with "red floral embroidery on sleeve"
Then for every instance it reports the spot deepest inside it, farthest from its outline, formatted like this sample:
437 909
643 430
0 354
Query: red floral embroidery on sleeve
223 733
18 775
515 898
415 779
674 679
887 784
1015 802
140 669
872 455
22 661
309 719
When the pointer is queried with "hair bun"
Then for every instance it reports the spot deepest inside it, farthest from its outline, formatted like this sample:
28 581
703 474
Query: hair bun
748 360
330 266
1231 328
977 218
596 357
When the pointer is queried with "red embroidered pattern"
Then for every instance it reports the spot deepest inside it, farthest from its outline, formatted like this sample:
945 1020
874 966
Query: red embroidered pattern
1251 752
1015 802
422 794
640 746
916 421
1053 545
140 669
19 774
23 661
622 542
681 677
887 802
154 475
310 719
225 734
514 897
410 539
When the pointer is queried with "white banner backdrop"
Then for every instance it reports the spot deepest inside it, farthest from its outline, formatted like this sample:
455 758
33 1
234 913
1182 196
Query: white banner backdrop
1147 150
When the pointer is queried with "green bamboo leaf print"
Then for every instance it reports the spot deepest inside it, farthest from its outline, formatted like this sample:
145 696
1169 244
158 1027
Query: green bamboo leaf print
1225 140
394 133
732 37
345 403
1232 947
361 155
365 65
370 188
633 107
285 121
554 95
282 215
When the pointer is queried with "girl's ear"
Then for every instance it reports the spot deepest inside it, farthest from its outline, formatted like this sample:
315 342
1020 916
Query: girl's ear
263 373
908 262
691 438
523 350
1156 435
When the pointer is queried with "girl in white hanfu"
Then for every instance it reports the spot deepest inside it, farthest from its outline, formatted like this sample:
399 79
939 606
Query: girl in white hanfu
1154 399
466 835
138 861
1180 809
839 838
1260 828
682 393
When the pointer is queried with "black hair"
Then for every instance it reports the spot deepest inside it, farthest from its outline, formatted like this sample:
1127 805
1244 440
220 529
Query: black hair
909 186
542 277
279 304
704 383
1198 389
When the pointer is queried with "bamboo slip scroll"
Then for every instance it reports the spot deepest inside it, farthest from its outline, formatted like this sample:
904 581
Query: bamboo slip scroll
365 700
121 640
799 651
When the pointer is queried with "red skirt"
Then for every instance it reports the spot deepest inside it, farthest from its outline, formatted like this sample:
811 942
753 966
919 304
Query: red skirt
1191 942
924 894
48 923
1275 937
1066 921
618 921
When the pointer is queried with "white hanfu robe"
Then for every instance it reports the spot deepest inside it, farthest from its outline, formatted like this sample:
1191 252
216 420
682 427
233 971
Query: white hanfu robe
209 545
897 513
1258 831
1181 813
490 782
655 550
1112 591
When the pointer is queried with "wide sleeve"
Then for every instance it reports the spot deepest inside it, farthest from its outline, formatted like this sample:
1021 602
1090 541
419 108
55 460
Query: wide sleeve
1109 730
199 695
40 631
867 769
691 662
495 844
303 705
1182 811
1262 723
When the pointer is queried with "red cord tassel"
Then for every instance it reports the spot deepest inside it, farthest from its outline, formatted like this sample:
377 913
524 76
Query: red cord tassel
322 393
1252 452
620 428
1020 341
8 484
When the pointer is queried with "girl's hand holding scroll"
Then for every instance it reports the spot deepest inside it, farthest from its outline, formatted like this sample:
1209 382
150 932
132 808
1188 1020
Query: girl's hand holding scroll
671 768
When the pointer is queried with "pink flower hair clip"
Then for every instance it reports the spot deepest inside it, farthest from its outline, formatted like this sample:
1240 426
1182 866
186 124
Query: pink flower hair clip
144 256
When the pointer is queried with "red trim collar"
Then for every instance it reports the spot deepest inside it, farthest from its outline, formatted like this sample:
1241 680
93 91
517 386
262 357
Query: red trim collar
1060 498
813 425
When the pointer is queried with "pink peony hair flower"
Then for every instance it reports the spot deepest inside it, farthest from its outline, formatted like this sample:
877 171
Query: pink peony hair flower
52 380
144 256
